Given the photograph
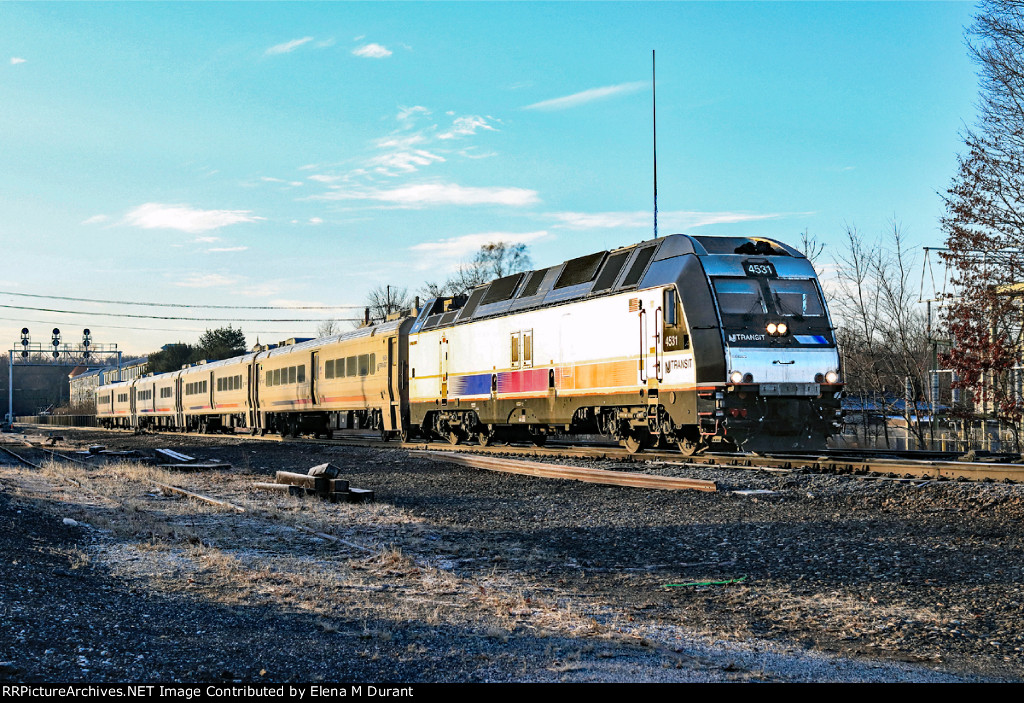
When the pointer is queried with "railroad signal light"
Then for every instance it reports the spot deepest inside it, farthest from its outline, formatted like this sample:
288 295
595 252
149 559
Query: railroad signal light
24 337
86 338
56 337
24 352
56 354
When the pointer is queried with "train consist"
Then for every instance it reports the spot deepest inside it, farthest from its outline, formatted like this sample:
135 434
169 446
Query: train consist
683 340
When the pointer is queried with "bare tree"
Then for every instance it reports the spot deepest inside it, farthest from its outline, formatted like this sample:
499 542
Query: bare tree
882 331
386 300
328 328
984 223
810 246
491 261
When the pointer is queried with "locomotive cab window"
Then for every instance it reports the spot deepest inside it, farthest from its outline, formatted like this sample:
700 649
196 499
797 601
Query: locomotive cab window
739 296
676 335
798 297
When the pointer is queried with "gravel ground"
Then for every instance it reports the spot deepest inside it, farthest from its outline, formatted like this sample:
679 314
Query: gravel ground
457 574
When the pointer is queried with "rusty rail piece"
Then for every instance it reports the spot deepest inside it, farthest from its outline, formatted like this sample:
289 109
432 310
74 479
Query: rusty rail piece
575 473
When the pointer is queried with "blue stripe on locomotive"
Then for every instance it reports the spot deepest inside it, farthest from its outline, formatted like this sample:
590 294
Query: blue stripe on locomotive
478 384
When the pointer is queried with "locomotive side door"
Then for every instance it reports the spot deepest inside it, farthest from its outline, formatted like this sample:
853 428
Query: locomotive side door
444 369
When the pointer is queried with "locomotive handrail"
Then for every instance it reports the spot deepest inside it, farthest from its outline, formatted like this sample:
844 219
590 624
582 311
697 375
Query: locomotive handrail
657 344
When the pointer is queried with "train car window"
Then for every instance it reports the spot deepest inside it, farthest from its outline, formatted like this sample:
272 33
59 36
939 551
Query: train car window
364 364
350 366
270 378
204 387
292 374
739 296
300 374
669 307
528 348
329 369
373 364
277 377
339 368
796 297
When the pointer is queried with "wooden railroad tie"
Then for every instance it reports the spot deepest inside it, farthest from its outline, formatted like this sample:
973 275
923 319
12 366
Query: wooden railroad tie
321 481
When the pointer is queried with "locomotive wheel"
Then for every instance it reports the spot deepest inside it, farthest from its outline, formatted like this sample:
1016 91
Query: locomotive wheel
632 443
405 435
539 440
454 437
688 447
484 439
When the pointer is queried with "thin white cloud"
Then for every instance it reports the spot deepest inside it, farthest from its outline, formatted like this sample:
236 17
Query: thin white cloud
95 220
227 249
372 51
287 47
437 194
402 161
15 60
207 280
587 96
316 221
405 113
670 219
455 248
463 126
185 218
206 240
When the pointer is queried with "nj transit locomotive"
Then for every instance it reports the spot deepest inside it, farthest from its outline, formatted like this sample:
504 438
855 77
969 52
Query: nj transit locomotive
694 341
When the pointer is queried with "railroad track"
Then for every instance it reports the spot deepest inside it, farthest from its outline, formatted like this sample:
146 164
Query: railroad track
840 462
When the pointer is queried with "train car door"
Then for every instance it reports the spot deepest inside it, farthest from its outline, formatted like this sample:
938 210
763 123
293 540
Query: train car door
179 418
444 369
314 378
393 421
255 370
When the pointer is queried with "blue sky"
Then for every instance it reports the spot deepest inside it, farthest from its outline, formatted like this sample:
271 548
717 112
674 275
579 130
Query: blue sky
300 153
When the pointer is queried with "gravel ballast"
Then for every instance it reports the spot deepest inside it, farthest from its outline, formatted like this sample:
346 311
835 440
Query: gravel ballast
459 574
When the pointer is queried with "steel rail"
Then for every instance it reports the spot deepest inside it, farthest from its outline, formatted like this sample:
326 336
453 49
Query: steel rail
575 473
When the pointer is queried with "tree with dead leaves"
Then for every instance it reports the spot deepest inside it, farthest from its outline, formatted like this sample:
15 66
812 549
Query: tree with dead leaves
984 223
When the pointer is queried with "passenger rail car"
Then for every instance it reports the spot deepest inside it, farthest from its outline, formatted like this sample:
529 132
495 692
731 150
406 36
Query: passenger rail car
348 380
694 341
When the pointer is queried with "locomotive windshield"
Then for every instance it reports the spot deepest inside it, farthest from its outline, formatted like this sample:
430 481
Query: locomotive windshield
739 296
796 297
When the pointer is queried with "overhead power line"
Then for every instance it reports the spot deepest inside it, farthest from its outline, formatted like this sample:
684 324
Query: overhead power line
168 317
105 325
185 305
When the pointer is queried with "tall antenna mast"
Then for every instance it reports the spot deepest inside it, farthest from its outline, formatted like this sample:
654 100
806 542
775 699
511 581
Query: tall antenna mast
654 122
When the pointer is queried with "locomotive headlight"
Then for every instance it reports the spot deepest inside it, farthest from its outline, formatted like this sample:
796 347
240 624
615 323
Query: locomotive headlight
772 327
782 328
735 377
832 377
